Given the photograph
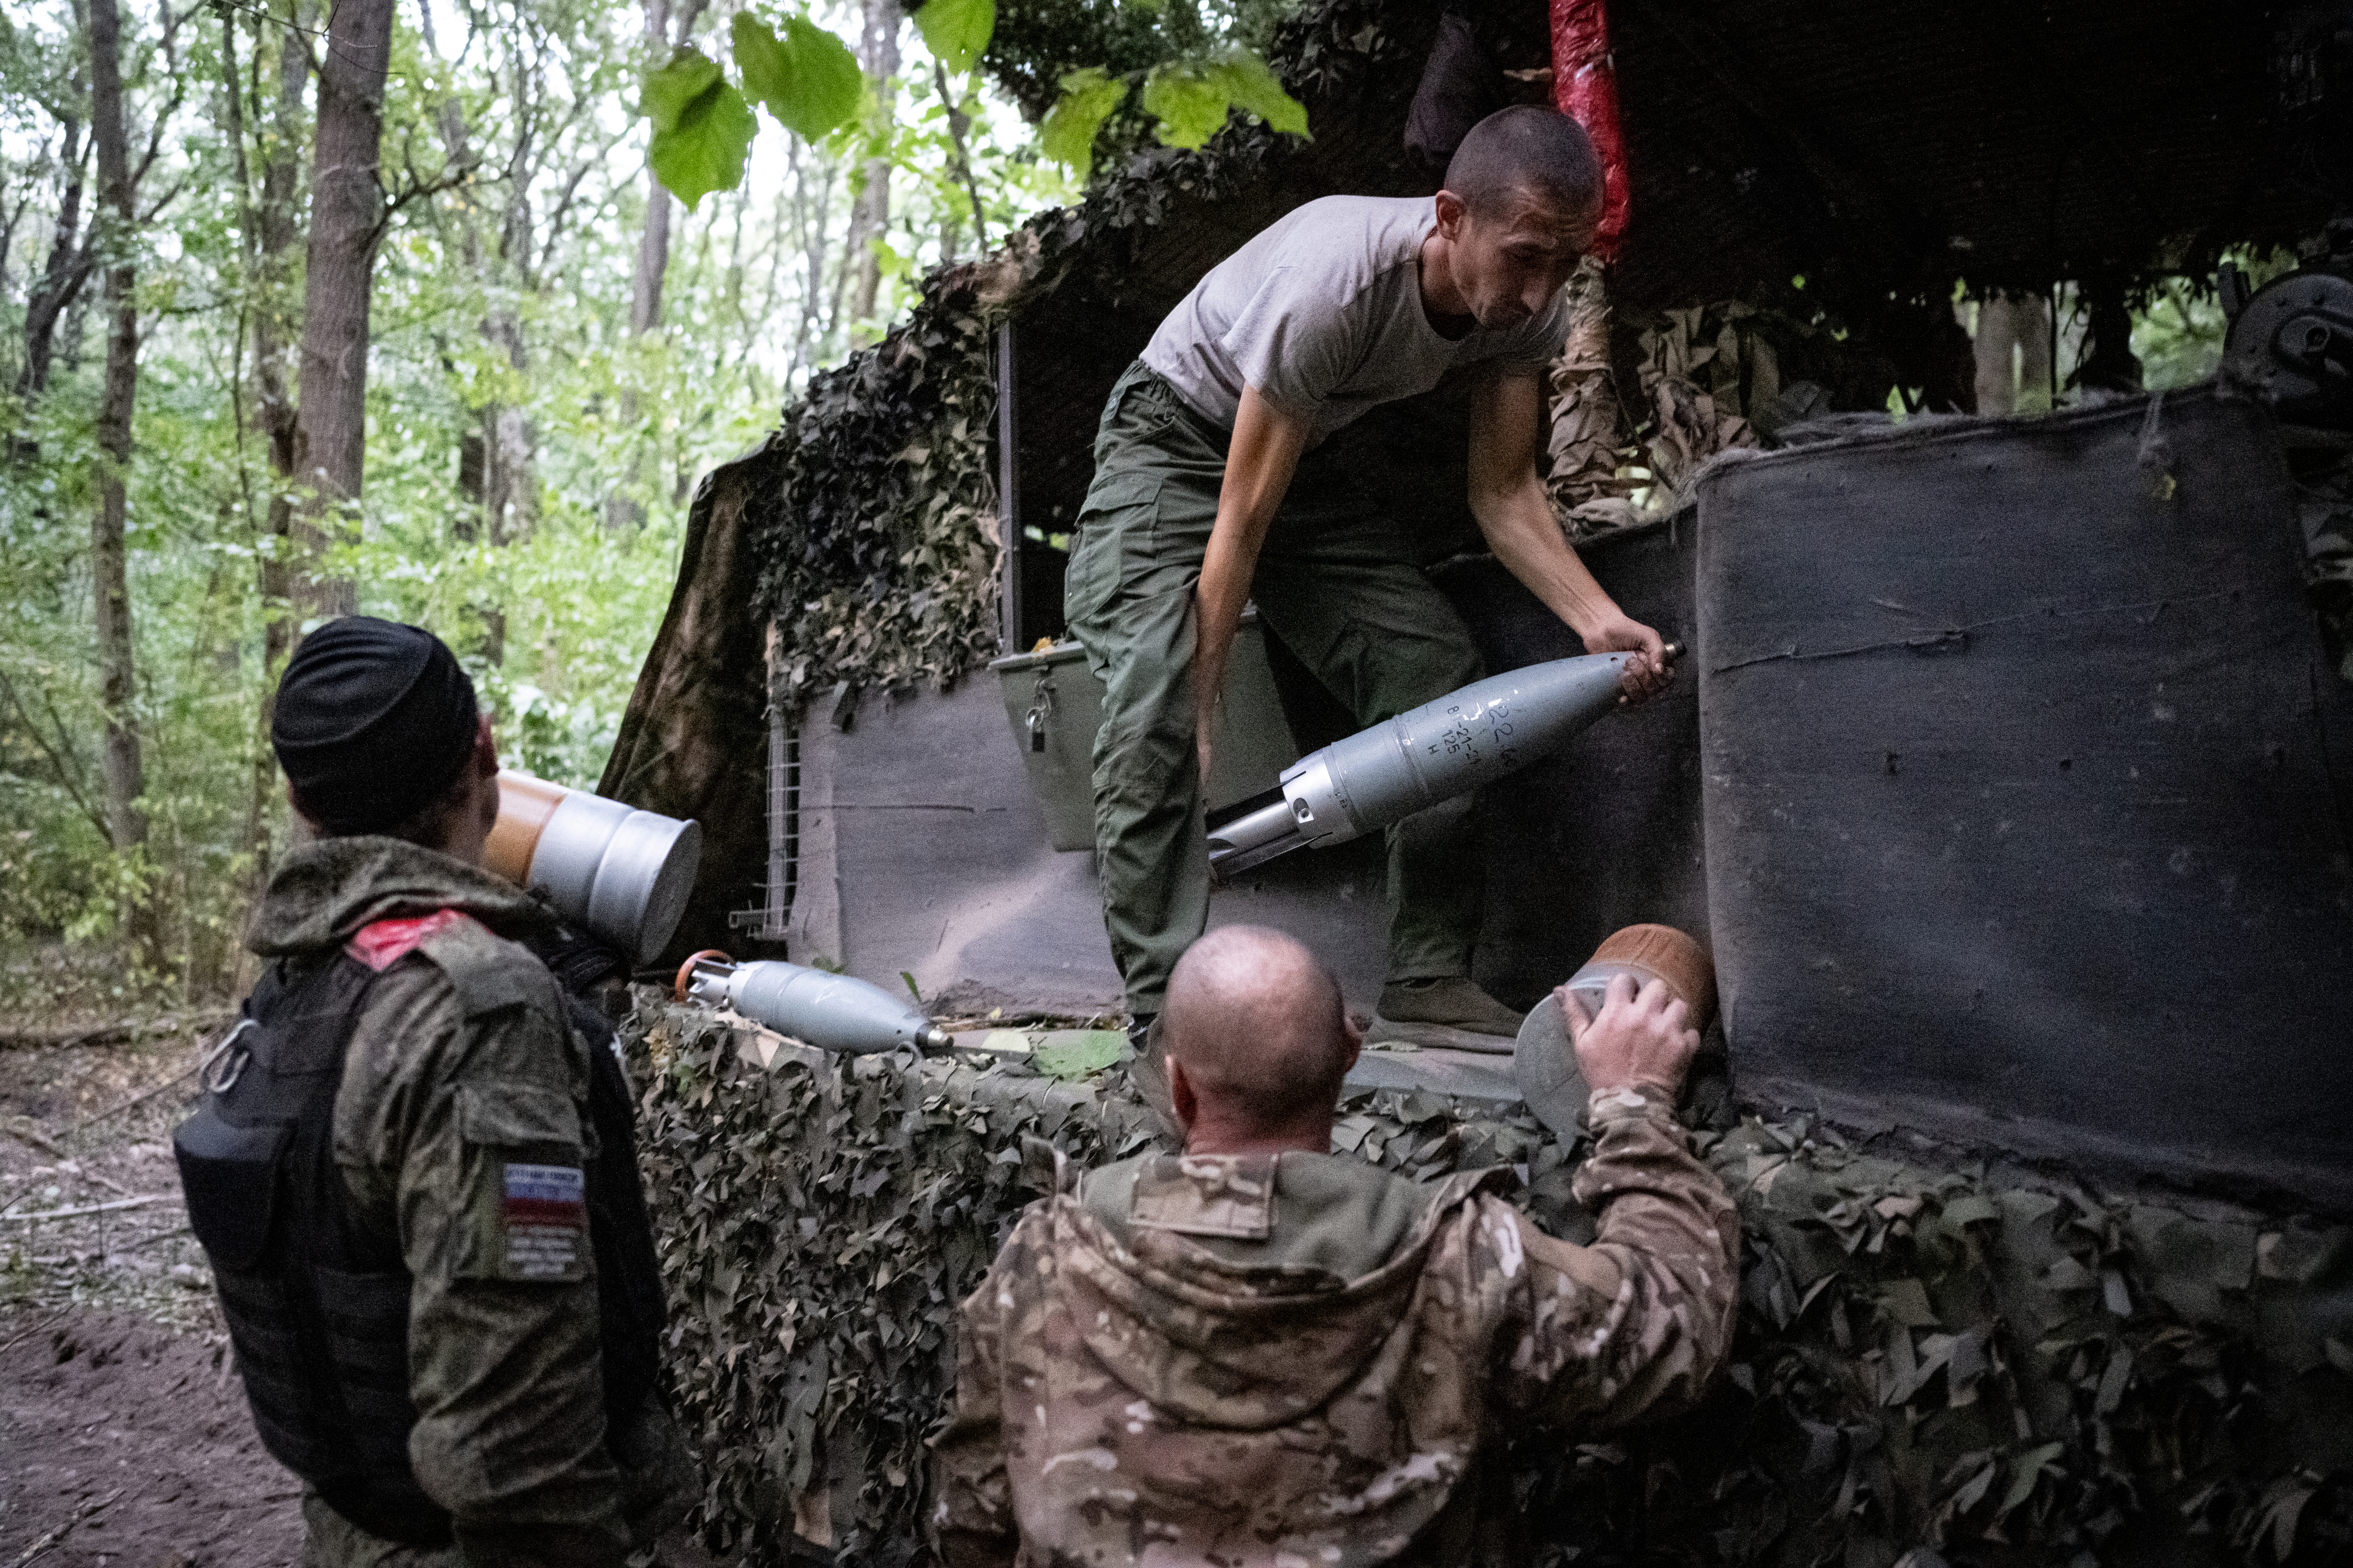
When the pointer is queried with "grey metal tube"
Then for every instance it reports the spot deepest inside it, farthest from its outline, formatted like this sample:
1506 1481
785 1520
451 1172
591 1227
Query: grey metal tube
625 874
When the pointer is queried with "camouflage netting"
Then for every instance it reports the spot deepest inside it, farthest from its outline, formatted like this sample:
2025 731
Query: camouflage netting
1937 1362
1627 437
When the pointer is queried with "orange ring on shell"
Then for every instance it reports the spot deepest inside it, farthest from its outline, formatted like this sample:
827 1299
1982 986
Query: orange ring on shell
686 970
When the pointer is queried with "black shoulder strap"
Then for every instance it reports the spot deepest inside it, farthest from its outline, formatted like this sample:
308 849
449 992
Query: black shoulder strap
628 1275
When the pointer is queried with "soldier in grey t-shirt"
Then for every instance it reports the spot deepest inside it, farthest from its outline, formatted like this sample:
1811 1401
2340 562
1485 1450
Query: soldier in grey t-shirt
1210 491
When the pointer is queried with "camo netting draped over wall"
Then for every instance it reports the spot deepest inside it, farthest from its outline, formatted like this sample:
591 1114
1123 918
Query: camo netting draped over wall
1937 1362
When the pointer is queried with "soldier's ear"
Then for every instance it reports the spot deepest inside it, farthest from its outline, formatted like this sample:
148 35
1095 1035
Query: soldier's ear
1181 1098
1451 212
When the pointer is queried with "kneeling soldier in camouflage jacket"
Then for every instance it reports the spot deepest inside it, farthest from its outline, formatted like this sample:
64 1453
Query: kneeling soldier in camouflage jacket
414 1178
1258 1352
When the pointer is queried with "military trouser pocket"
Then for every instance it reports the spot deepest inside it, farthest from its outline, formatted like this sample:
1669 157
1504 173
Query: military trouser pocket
1142 405
1118 534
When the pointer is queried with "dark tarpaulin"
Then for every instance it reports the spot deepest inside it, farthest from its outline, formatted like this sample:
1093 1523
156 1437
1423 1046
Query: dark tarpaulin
1606 834
693 740
2025 789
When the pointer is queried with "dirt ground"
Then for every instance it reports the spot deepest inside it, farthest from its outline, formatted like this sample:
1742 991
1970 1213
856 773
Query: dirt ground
123 1442
124 1437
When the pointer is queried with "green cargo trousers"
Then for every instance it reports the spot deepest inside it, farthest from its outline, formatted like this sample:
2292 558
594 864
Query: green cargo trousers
1337 581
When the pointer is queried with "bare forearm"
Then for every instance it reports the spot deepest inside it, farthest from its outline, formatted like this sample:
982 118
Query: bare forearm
1260 462
1520 528
1224 589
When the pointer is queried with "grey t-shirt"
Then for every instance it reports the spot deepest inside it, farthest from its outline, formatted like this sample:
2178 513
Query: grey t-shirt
1322 312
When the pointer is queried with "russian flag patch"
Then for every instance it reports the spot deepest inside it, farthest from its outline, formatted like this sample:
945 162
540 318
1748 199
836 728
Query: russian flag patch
546 1215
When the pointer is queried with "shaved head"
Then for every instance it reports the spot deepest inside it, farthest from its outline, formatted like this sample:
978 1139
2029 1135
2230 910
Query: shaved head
1526 151
1256 1022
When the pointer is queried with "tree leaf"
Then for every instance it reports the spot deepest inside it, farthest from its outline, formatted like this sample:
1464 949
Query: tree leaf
670 89
807 80
1070 1054
1191 98
705 147
1068 134
1253 87
957 31
1190 107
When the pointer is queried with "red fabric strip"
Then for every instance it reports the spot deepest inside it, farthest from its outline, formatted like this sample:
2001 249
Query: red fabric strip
1584 88
380 944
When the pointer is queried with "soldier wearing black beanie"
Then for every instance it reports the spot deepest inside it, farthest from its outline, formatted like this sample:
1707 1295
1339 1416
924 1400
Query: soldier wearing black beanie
427 1155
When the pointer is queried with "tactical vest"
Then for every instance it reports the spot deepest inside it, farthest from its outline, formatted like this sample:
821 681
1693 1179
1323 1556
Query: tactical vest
316 1294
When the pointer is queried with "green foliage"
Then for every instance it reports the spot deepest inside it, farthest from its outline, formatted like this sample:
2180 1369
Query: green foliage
1931 1358
702 128
956 31
1192 97
501 307
809 79
2178 325
1039 42
1068 133
671 91
1072 63
1188 106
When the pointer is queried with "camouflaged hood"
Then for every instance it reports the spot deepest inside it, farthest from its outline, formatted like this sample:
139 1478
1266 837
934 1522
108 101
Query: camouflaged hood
1238 1347
323 891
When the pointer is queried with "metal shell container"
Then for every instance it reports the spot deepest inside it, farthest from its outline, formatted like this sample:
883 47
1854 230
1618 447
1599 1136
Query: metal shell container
1648 953
1543 1060
623 874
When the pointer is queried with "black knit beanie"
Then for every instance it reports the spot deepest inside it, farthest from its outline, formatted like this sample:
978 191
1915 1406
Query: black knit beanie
373 723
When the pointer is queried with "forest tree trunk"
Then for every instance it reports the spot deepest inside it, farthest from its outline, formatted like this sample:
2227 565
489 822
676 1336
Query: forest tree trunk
653 245
870 214
69 265
653 261
623 511
126 823
347 211
272 225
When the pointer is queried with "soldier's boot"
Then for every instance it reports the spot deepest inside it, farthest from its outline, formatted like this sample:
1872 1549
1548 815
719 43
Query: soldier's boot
1451 1013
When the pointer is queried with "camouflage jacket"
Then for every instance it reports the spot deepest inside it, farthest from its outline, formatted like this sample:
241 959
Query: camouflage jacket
1298 1360
464 1050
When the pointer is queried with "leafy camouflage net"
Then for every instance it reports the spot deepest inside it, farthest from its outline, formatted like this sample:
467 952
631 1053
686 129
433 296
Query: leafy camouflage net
878 531
1937 1362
